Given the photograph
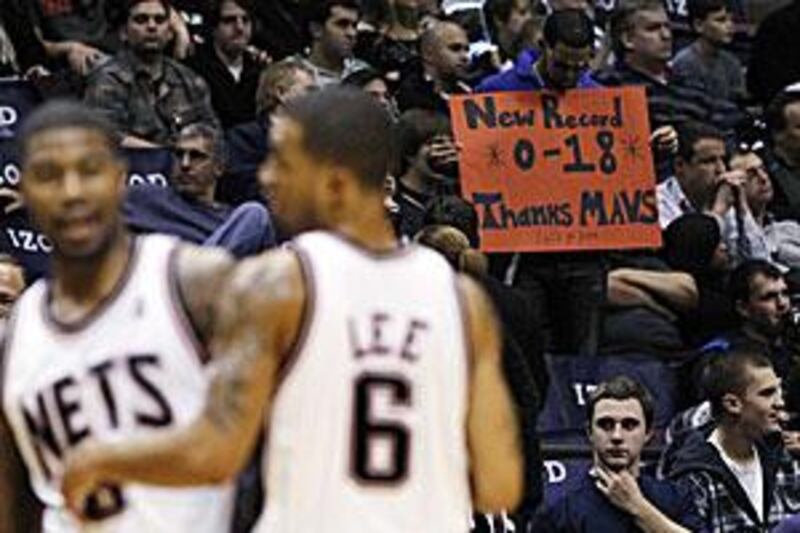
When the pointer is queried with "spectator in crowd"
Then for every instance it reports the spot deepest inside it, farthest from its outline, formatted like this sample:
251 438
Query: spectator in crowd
567 289
773 63
146 95
740 480
374 83
782 238
247 143
393 47
693 244
426 165
19 48
228 66
614 495
705 59
761 300
82 36
563 63
702 184
12 283
783 122
451 227
332 24
643 307
642 43
187 208
444 51
506 20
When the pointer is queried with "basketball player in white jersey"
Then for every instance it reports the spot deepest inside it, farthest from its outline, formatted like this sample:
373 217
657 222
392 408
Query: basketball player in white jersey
376 368
105 350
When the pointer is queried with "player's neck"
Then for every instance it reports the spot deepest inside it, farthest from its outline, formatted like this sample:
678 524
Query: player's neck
369 228
84 282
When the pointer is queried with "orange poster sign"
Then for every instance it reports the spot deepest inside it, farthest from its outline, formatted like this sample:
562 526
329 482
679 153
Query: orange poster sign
550 172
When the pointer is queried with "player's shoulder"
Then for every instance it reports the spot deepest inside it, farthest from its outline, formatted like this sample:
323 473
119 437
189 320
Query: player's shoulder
272 276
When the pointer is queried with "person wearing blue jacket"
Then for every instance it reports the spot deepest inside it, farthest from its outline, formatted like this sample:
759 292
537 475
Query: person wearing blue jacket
563 63
567 290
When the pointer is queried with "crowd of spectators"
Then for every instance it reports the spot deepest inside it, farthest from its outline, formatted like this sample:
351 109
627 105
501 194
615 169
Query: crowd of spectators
716 306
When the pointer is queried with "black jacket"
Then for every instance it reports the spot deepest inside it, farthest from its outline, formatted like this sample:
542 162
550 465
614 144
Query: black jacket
720 498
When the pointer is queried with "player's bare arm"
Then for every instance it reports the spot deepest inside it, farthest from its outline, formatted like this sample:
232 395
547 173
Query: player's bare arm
20 510
257 319
492 425
202 275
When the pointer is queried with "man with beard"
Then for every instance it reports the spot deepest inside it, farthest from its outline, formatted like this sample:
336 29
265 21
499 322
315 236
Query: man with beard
228 64
146 95
444 53
614 496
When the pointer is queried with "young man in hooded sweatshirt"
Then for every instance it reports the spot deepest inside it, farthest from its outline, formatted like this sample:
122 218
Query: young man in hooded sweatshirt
741 477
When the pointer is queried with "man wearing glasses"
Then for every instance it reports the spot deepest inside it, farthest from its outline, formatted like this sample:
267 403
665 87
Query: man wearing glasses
145 94
187 208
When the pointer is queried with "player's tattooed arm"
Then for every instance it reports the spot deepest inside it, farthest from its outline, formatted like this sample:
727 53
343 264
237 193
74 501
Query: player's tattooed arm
256 322
492 425
20 511
201 275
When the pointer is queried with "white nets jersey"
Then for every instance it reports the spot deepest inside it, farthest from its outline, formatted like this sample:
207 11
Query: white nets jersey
131 368
367 429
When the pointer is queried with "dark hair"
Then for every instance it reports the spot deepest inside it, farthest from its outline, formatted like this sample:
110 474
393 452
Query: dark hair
363 76
690 241
414 129
700 9
59 114
622 388
130 4
498 9
319 11
346 126
690 133
775 113
571 27
742 277
215 10
451 210
726 373
620 21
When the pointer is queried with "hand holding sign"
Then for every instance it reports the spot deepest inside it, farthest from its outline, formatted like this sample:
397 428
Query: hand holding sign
569 171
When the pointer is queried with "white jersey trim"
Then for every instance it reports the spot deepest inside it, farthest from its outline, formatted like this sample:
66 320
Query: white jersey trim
289 360
180 312
99 309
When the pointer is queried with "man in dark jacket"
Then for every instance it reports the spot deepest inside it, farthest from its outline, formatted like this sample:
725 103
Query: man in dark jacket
741 481
614 496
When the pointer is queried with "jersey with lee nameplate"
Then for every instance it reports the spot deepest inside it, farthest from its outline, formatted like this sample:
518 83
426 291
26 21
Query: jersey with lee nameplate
367 430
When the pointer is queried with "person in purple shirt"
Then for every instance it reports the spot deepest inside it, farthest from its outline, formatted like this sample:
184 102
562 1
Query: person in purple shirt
614 496
568 41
